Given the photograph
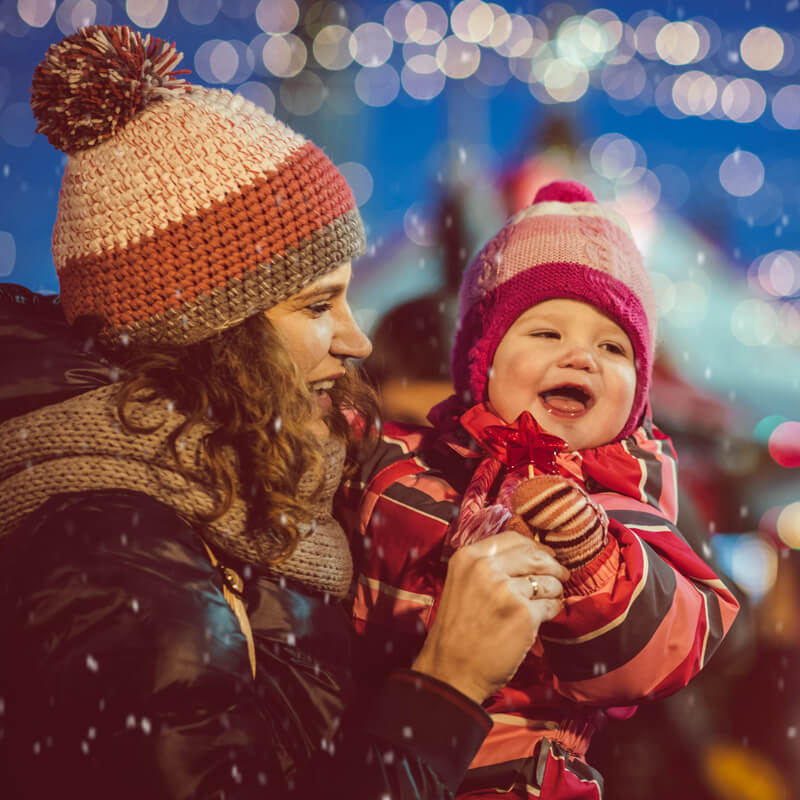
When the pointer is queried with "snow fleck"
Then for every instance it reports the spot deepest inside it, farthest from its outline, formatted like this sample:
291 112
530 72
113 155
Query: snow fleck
146 726
408 732
277 424
135 605
291 639
37 748
791 732
236 773
388 757
91 733
85 747
130 721
91 663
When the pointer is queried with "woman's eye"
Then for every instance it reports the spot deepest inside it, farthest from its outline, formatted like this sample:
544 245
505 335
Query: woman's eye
318 309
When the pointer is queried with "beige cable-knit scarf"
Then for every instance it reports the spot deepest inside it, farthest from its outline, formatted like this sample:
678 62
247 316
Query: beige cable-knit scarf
80 445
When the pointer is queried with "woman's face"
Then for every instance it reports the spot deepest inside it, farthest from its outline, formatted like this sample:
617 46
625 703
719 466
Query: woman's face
318 329
571 366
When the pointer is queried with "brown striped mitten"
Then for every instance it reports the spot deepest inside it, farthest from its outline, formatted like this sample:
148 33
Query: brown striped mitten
562 516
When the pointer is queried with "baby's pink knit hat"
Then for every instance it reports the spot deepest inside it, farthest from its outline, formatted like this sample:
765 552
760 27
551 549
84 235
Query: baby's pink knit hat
563 245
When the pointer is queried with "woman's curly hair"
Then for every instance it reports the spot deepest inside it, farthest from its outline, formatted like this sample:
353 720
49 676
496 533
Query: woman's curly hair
244 382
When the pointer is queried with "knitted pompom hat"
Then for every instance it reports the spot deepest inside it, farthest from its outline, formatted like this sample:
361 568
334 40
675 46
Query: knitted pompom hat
564 245
183 210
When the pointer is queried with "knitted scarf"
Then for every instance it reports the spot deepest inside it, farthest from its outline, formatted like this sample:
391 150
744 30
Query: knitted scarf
80 445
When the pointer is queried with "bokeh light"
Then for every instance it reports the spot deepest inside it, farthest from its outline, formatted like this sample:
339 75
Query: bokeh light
284 56
420 58
694 93
331 47
784 444
146 13
456 58
371 45
678 43
623 81
763 429
786 107
501 27
520 38
743 100
741 173
359 179
751 561
754 322
218 61
377 86
426 23
74 14
36 13
394 20
761 48
8 253
202 12
778 272
582 42
788 526
422 86
258 93
612 155
303 94
472 20
647 32
272 16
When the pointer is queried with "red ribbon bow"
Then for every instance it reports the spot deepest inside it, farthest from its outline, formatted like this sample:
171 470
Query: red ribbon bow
523 442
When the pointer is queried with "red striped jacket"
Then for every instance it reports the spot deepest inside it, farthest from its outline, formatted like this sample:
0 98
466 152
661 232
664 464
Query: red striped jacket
639 620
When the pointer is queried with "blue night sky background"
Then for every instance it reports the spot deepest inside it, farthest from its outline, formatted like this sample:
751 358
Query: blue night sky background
710 179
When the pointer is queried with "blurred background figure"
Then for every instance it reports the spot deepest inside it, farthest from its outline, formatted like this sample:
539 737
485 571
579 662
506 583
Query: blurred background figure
445 118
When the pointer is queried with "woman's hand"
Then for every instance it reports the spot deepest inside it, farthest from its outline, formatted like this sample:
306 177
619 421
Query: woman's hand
488 617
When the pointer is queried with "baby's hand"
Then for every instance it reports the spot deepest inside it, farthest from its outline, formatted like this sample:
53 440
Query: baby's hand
562 516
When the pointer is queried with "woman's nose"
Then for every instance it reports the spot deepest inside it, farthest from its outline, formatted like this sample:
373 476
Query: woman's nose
351 341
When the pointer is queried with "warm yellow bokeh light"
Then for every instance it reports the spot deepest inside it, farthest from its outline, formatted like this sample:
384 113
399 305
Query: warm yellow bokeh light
762 48
789 525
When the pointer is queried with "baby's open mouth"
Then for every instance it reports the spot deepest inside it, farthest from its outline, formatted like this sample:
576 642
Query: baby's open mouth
569 400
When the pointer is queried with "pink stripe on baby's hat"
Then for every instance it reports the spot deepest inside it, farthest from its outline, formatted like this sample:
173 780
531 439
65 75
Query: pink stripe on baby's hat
552 239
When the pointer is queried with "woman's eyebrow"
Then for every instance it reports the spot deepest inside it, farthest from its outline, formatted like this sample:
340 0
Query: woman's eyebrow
318 292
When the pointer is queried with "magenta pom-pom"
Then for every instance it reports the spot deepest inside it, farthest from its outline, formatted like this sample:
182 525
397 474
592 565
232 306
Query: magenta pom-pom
91 83
564 192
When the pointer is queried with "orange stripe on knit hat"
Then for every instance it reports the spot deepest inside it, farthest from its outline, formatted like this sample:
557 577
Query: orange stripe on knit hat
183 210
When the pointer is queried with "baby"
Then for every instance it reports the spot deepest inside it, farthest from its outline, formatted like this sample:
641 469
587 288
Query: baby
549 432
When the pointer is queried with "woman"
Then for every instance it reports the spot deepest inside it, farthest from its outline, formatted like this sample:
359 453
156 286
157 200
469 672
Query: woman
173 585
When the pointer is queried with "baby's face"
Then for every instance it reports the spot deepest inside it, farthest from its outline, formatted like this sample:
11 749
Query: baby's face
571 366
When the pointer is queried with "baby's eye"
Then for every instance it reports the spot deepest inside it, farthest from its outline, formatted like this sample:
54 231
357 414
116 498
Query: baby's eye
546 334
318 309
613 347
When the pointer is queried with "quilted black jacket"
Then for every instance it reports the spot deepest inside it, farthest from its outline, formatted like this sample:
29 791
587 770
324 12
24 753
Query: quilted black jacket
124 671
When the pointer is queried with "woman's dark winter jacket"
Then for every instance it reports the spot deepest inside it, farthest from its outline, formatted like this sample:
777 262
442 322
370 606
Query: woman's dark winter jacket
124 670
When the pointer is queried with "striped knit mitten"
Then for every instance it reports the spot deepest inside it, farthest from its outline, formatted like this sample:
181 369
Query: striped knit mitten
562 516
